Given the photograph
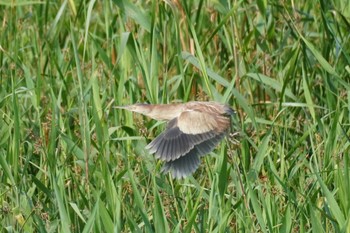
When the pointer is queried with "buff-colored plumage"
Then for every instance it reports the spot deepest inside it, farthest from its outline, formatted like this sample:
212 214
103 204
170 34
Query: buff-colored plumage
194 129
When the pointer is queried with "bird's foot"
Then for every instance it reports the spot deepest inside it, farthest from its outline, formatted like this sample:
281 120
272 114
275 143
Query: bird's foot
233 138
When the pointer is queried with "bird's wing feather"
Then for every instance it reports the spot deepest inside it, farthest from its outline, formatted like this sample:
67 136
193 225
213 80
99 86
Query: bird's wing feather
173 143
184 165
189 162
196 122
202 131
209 145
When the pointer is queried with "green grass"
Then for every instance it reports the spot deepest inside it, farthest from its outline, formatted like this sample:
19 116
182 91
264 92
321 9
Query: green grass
70 162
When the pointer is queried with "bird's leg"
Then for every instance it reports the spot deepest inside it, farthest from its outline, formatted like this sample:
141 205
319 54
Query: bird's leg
233 138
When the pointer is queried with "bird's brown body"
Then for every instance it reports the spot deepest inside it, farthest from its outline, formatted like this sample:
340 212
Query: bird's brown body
194 129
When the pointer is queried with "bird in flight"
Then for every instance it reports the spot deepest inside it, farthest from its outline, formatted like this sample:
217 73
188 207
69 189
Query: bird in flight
194 129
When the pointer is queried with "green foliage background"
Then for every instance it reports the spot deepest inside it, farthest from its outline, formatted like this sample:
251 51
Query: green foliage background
70 162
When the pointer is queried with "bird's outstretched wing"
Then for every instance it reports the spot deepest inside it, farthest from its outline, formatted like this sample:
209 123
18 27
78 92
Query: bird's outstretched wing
189 162
191 135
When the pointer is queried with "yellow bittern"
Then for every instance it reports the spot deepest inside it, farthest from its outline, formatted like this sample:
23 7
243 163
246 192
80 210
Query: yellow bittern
194 129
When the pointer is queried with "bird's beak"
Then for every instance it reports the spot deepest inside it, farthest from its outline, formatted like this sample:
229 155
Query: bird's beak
127 107
132 108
